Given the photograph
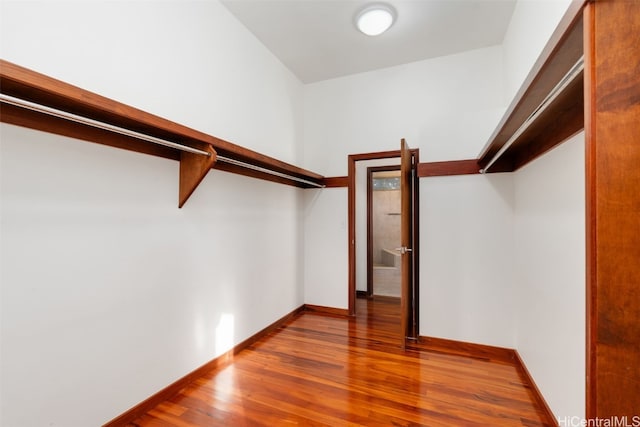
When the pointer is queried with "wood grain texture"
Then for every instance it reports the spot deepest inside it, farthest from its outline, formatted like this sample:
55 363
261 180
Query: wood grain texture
326 310
327 371
591 314
35 87
217 363
613 196
467 349
415 297
43 122
336 181
563 50
406 241
489 354
351 233
558 123
193 169
542 403
351 203
373 156
454 167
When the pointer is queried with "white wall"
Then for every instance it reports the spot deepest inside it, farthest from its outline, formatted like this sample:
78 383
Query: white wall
531 26
466 258
325 247
446 106
109 291
550 274
190 61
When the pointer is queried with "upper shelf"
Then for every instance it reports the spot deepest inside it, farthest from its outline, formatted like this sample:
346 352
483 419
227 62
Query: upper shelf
535 121
24 84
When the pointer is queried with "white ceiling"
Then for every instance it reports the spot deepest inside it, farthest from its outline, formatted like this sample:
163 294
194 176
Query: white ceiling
317 39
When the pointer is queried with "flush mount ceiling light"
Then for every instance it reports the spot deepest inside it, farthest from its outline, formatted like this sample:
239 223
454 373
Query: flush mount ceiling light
375 19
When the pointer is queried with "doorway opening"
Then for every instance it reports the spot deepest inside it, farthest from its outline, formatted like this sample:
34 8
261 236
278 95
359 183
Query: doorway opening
383 232
408 160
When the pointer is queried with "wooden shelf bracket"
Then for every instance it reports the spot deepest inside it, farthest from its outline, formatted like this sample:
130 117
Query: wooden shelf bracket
40 102
193 169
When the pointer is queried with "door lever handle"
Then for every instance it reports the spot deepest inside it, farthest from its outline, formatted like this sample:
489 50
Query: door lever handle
403 250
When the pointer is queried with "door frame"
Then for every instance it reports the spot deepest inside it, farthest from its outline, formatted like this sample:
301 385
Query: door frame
351 178
370 171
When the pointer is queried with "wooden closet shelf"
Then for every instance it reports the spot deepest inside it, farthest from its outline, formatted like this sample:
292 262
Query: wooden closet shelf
24 84
562 117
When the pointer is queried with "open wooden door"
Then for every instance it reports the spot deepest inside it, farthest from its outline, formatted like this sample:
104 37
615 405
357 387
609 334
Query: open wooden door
408 249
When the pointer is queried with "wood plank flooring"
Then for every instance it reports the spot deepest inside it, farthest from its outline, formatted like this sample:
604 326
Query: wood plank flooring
323 370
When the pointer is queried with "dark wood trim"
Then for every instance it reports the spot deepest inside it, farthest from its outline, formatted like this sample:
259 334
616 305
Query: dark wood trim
551 418
363 294
375 156
415 333
455 167
352 159
407 285
351 195
613 201
314 372
45 123
25 84
331 311
386 299
336 181
463 348
369 232
561 119
220 361
379 155
410 238
488 353
590 212
29 85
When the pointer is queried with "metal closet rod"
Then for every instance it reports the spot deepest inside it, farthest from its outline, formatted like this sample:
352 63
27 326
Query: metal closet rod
96 124
268 171
122 131
557 90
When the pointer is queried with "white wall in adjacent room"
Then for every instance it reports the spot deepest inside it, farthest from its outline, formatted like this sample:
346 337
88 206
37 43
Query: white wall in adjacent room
109 291
550 274
361 216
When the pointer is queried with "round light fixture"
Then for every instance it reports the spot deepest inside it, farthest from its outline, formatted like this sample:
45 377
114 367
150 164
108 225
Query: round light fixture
375 19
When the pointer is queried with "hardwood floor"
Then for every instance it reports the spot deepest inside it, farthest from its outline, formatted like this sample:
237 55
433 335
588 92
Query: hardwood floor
323 370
